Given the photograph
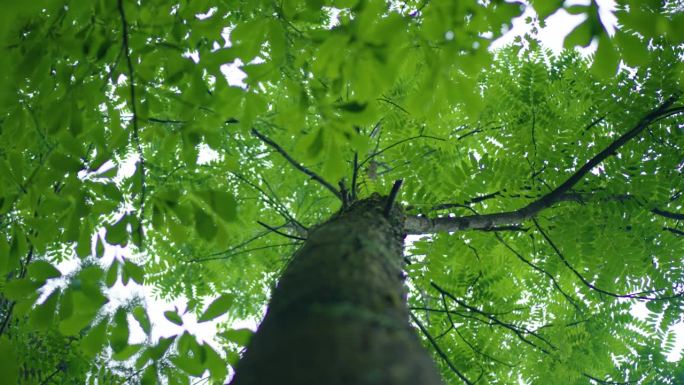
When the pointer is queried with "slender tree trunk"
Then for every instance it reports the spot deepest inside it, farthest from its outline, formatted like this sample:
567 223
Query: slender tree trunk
339 313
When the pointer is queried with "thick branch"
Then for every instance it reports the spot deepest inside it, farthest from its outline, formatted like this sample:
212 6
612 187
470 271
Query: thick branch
136 128
297 165
424 225
393 196
668 214
674 231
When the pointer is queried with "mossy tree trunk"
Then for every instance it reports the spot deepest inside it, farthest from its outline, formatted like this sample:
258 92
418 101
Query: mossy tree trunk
338 314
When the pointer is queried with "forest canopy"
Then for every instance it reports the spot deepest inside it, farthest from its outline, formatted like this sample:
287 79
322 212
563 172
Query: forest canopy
543 193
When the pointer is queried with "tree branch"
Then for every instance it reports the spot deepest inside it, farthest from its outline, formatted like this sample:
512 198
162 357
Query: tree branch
136 128
439 350
608 382
539 269
275 230
425 225
668 214
393 196
592 286
674 231
217 256
355 175
297 165
518 331
378 152
458 332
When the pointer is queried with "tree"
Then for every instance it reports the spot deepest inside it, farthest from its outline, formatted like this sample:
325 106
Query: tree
543 192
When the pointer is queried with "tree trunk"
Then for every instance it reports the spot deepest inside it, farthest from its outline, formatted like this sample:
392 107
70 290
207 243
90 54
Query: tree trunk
338 314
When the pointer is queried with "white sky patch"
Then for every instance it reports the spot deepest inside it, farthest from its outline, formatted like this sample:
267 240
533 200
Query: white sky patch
234 75
558 25
207 154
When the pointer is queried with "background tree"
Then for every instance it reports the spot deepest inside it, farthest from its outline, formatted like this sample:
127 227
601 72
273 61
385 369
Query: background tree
547 190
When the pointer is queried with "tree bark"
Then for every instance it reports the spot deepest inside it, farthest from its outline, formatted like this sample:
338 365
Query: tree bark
338 314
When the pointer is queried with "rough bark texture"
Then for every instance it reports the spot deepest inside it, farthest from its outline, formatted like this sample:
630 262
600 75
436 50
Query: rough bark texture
339 314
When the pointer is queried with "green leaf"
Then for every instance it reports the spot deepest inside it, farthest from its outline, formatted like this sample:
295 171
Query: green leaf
81 301
545 8
634 51
91 275
99 247
204 224
43 315
353 106
232 358
577 9
83 244
222 203
140 315
134 271
118 338
173 317
41 271
149 376
157 351
9 364
316 145
580 36
188 364
247 38
606 59
66 304
216 365
112 273
19 289
4 255
238 336
126 352
96 338
117 234
217 308
64 163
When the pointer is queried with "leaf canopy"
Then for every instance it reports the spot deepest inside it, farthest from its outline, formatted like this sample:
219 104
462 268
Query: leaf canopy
123 130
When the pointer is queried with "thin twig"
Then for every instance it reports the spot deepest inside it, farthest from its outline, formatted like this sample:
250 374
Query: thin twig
518 331
136 128
608 382
439 350
226 256
539 269
388 101
454 327
296 164
275 230
592 286
48 378
378 152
